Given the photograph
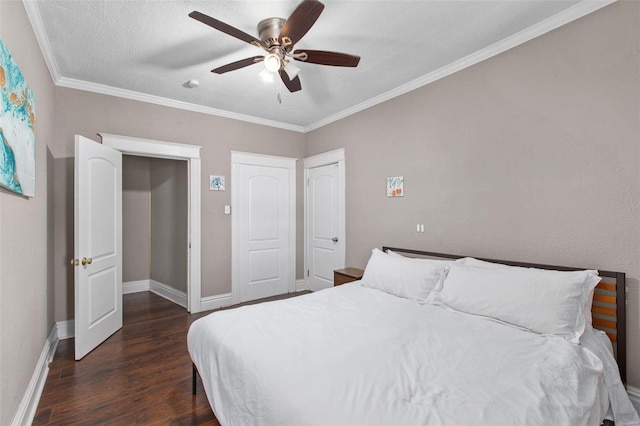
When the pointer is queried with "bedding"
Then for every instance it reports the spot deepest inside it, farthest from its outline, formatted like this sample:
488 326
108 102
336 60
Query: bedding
354 355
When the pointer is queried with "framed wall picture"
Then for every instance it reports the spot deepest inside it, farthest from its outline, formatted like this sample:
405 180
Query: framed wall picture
395 186
17 129
216 183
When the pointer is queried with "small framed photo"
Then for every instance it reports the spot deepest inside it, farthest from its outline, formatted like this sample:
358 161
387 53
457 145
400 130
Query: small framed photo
395 186
216 183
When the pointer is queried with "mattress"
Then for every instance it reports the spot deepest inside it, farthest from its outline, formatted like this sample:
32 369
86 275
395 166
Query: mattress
353 355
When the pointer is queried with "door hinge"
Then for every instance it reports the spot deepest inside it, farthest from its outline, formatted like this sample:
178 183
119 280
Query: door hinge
307 273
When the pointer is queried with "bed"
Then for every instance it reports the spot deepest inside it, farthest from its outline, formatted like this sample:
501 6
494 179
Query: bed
403 346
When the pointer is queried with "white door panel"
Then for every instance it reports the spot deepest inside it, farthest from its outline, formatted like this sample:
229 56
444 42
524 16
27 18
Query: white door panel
263 221
323 228
98 243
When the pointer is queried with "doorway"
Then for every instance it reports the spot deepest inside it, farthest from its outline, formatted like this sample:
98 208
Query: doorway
154 227
174 151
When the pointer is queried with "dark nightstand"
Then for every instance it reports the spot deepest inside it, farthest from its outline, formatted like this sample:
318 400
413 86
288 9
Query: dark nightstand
346 275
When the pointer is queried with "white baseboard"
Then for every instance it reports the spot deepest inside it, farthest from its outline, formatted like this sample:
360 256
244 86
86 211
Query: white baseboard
634 396
176 296
66 329
210 303
136 286
301 285
29 404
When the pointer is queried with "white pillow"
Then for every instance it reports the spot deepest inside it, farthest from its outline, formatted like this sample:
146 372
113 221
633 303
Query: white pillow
588 301
547 302
402 277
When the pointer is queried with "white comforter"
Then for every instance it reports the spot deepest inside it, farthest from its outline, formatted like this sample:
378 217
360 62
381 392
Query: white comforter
352 355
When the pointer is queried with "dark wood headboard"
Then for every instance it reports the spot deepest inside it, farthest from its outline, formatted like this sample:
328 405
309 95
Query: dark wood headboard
609 300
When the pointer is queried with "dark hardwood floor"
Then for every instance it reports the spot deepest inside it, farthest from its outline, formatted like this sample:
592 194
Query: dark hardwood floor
140 376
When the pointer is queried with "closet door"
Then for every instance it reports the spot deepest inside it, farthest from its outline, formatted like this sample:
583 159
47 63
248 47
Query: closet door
98 244
263 228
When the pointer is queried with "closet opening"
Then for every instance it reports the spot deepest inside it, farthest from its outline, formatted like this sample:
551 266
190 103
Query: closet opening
155 227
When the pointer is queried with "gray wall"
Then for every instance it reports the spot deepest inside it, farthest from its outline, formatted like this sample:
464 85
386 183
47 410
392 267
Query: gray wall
532 155
26 285
86 113
136 214
169 219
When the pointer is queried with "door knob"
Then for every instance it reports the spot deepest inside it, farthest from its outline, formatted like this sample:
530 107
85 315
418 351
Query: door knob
75 262
334 239
86 261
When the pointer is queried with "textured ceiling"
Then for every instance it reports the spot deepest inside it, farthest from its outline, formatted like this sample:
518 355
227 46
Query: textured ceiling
152 47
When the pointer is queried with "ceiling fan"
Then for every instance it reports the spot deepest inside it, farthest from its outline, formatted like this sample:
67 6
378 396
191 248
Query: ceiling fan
277 37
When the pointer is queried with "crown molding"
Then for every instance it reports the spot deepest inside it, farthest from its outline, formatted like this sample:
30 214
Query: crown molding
574 12
41 36
158 100
566 16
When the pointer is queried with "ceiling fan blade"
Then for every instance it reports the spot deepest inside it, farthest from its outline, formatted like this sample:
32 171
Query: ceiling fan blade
293 85
301 20
324 57
238 64
226 28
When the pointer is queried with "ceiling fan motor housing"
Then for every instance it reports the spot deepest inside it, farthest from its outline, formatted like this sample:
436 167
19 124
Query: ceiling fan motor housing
269 30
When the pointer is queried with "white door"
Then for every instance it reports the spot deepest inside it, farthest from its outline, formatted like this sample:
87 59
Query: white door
263 198
323 222
98 244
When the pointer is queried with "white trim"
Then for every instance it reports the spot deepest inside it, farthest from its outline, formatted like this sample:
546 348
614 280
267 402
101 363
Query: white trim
176 151
289 163
135 286
194 279
29 404
171 103
210 303
331 157
150 148
324 159
301 285
634 396
568 15
239 157
174 295
33 12
66 329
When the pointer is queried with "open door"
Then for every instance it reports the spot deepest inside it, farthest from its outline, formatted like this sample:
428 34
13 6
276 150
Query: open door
98 244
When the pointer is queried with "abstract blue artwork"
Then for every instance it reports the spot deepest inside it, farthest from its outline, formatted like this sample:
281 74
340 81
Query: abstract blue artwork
17 129
216 183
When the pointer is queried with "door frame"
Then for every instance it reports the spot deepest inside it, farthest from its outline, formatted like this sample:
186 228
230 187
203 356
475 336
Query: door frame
174 151
247 158
336 156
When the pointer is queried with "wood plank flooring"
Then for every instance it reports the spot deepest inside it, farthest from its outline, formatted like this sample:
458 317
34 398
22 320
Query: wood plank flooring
140 376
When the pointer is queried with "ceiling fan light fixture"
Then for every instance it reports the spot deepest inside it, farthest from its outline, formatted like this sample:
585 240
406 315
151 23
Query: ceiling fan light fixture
267 76
272 62
291 70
